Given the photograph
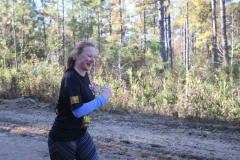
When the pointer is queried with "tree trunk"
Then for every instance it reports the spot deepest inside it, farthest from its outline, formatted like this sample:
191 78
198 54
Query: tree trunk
154 24
186 35
232 36
121 39
186 39
183 44
121 21
87 24
99 34
170 36
144 31
63 36
214 35
4 55
58 22
187 29
155 18
224 33
22 44
141 31
58 50
166 32
110 21
44 29
161 30
193 41
44 36
74 39
73 31
15 40
4 61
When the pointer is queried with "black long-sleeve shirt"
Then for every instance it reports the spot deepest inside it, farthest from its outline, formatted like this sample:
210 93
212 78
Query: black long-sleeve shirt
74 92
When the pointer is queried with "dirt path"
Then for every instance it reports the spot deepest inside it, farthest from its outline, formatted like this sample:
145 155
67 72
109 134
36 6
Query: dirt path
24 125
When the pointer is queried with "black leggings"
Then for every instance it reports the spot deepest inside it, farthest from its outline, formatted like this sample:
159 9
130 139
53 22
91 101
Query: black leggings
82 149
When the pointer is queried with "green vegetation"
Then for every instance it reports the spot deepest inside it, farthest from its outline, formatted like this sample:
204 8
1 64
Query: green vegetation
36 39
147 89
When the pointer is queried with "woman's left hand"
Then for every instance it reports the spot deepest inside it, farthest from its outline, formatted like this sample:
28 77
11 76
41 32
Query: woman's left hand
94 87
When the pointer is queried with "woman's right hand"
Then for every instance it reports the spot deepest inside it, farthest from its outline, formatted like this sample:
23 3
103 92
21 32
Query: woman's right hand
106 91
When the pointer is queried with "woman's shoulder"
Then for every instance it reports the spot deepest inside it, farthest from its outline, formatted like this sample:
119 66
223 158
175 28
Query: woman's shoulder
70 74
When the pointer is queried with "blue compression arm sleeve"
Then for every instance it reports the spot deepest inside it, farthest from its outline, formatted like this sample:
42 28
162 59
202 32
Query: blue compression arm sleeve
90 106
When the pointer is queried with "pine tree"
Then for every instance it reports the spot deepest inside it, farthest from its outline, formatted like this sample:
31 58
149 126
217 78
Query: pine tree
214 35
226 57
162 30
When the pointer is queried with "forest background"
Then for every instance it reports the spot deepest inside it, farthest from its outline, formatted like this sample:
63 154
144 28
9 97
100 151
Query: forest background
172 57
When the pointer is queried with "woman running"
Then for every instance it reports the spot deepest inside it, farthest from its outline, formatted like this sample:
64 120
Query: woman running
68 137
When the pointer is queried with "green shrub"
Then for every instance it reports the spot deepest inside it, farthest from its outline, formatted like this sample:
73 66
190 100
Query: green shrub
201 94
39 80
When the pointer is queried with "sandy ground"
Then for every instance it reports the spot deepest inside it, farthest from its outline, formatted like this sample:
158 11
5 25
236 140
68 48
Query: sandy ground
25 123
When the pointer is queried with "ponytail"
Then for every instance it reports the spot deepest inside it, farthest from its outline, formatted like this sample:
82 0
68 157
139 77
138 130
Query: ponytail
70 62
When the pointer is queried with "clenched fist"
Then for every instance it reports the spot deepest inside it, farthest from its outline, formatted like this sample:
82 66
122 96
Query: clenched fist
106 91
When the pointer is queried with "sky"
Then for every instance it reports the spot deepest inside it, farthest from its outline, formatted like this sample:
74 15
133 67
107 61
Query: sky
233 1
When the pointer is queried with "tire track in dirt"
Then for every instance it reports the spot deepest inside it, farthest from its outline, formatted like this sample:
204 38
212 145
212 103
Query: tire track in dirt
25 123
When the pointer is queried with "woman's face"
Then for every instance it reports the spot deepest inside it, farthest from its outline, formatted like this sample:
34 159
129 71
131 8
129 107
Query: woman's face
86 59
